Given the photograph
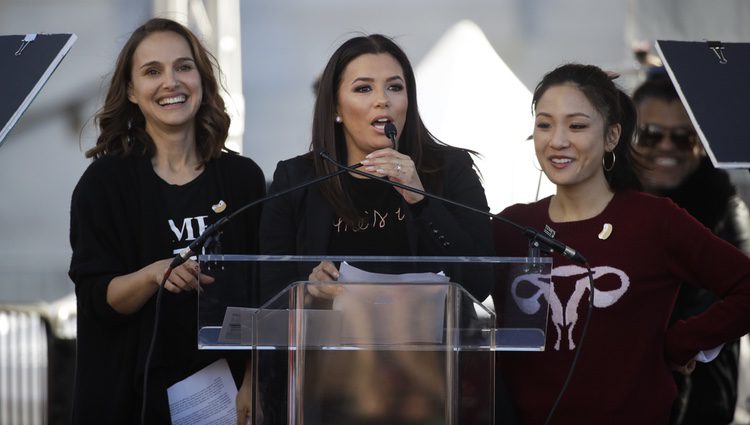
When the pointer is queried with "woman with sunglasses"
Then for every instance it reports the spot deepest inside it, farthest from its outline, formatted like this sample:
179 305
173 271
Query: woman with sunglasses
675 166
668 147
640 249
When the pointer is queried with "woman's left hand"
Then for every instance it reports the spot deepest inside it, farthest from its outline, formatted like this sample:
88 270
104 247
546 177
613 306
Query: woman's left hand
685 369
326 271
396 167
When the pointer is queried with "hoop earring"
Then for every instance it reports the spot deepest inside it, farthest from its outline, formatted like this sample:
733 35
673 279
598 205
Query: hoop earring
604 162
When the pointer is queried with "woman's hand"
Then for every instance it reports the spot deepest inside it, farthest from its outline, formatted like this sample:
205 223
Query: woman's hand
244 401
685 369
326 271
396 167
126 294
186 277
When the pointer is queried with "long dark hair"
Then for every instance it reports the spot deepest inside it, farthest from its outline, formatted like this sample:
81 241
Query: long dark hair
122 126
613 104
415 140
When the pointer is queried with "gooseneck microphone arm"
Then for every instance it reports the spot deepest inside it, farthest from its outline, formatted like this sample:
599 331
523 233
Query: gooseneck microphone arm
535 237
196 246
536 240
213 229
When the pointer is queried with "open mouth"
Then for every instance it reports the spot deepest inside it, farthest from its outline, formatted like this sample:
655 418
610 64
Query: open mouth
174 100
666 161
380 123
561 161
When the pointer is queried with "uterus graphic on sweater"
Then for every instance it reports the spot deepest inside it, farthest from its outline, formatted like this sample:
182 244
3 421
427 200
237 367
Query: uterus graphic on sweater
565 316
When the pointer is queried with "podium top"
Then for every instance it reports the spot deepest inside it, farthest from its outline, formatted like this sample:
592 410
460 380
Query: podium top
377 303
713 81
371 258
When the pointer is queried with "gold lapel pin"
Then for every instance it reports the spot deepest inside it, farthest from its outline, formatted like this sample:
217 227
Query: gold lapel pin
221 206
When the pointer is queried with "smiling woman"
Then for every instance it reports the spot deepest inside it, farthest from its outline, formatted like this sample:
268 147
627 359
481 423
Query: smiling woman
676 166
160 171
640 249
166 85
667 143
162 62
568 139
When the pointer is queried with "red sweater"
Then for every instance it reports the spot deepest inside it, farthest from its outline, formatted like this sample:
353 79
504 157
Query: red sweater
623 373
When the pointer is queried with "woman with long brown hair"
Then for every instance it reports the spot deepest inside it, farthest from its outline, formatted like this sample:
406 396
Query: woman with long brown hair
160 165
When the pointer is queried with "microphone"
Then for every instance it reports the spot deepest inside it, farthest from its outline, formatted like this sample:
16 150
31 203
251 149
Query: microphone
535 237
539 238
213 229
390 131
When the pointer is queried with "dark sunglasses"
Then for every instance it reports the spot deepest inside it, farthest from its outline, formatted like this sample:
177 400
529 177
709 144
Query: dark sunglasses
651 134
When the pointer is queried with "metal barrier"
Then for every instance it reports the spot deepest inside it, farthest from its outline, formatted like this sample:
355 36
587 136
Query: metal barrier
23 367
37 362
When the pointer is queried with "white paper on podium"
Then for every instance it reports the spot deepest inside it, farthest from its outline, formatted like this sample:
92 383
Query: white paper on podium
349 273
391 314
237 326
207 396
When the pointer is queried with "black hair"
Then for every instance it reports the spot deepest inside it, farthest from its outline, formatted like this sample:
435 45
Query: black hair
615 107
415 140
658 86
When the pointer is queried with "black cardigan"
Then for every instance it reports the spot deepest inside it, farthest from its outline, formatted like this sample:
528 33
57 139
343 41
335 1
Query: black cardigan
113 219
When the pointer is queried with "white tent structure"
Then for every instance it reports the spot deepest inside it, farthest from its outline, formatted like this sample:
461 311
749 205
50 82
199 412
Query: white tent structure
468 97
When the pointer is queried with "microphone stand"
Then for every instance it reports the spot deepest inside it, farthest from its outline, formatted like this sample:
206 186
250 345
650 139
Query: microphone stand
211 230
195 246
536 240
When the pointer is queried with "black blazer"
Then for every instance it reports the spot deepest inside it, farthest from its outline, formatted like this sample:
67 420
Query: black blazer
299 223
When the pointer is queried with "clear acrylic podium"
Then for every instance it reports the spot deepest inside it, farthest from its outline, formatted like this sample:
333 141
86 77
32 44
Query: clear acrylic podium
396 340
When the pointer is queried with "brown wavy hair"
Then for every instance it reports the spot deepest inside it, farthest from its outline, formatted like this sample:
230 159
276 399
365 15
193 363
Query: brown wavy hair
122 126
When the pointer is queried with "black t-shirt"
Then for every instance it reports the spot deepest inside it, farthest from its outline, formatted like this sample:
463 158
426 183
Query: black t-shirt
187 210
120 216
184 212
382 227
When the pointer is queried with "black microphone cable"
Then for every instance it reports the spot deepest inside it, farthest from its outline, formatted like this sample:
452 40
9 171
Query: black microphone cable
152 343
573 363
533 234
536 238
195 246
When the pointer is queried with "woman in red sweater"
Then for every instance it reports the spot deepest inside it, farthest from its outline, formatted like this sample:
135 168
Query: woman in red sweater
640 249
